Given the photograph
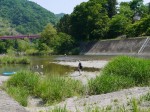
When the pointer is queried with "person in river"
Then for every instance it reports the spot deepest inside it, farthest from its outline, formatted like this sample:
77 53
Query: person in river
80 67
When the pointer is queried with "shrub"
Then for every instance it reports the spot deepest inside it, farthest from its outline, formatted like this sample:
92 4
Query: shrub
121 73
24 79
136 68
109 83
57 88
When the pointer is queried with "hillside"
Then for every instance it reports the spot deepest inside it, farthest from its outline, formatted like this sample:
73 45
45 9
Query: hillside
59 16
26 16
6 28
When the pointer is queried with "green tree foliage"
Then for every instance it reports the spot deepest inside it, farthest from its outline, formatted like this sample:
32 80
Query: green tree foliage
89 21
48 35
125 10
26 15
59 43
66 43
111 8
64 24
118 25
2 47
135 5
6 28
140 28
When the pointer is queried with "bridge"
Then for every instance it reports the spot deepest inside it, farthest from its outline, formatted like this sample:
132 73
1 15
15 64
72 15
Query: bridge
20 37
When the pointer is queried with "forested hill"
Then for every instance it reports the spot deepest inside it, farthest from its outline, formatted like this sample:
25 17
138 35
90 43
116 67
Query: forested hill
25 16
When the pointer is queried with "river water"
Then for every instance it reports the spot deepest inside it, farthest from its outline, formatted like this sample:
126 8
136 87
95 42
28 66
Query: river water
43 65
50 68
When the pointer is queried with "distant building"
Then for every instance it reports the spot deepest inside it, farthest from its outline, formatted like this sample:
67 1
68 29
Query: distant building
136 17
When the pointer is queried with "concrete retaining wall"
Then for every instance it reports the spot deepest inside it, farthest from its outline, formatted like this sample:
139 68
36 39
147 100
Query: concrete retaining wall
116 47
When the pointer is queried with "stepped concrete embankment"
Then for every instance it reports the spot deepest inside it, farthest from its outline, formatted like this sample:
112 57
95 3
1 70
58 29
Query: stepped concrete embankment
128 46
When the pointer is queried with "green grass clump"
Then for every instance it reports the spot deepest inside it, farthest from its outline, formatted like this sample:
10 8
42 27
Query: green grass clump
21 85
50 89
56 88
109 83
14 60
20 94
121 73
25 79
136 68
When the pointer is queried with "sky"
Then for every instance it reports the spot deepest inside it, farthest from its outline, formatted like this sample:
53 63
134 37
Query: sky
64 6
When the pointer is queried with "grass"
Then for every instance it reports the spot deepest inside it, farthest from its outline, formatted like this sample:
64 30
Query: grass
121 73
59 109
136 68
20 94
14 60
146 97
109 83
56 88
51 89
21 85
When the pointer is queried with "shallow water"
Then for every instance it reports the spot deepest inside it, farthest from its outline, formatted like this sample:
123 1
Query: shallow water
51 68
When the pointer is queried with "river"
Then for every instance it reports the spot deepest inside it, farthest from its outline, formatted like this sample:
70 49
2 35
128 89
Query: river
50 68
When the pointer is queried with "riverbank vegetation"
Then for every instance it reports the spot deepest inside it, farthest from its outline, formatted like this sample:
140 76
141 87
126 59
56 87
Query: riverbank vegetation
6 59
51 89
122 72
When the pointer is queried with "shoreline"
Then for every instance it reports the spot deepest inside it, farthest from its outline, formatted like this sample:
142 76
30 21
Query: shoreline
88 64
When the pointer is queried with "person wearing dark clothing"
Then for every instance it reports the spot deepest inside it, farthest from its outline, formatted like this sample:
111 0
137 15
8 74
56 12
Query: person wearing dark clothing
80 67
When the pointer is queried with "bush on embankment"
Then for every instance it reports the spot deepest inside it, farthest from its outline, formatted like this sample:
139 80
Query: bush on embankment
120 73
14 60
50 89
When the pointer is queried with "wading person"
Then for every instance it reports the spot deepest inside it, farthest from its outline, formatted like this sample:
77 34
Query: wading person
80 67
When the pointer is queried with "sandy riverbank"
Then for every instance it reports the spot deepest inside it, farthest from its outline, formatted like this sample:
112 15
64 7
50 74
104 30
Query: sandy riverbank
89 64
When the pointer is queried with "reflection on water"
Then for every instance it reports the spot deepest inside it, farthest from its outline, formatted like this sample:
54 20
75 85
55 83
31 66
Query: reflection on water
51 68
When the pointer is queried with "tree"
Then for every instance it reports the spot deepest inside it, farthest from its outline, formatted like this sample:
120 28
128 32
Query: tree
126 10
89 21
118 25
140 28
48 35
66 43
111 8
64 24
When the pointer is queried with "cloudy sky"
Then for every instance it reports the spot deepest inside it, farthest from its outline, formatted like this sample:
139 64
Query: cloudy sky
64 6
